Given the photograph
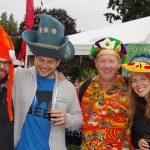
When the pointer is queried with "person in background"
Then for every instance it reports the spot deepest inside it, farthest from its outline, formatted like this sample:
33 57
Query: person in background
105 121
6 81
139 103
38 92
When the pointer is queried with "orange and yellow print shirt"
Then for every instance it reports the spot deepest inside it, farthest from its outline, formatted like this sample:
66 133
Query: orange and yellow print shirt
105 117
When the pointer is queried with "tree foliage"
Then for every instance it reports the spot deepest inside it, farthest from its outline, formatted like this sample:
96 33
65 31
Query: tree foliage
8 23
12 24
60 14
127 10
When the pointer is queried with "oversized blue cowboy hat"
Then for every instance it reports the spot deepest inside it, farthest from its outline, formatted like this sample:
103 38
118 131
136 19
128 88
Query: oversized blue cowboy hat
49 41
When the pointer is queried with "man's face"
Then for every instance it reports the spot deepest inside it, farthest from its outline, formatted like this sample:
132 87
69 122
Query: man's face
46 66
107 66
4 69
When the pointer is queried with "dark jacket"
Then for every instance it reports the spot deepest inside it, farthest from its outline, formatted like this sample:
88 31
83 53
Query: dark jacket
141 124
6 127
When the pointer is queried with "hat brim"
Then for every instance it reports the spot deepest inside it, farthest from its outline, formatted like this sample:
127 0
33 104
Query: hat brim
65 51
137 67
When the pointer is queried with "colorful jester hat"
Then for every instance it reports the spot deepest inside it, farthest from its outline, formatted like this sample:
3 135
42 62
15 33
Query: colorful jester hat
7 52
108 45
137 67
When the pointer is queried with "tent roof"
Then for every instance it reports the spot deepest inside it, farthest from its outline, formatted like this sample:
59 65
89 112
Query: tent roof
136 31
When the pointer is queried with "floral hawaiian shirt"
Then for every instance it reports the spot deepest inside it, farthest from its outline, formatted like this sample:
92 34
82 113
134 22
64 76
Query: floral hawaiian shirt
105 117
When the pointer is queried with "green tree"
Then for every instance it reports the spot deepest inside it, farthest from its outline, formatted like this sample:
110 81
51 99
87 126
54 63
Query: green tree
4 21
8 23
127 10
12 25
60 14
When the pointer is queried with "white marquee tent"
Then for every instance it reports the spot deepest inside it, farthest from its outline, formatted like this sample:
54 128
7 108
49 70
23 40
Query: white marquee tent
136 31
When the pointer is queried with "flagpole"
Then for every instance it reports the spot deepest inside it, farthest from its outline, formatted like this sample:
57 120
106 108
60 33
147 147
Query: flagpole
26 59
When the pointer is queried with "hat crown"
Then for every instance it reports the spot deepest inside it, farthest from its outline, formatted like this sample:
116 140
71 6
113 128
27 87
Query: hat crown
108 45
51 31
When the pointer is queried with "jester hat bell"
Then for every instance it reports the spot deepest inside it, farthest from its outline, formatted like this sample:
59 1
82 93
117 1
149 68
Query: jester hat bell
108 45
49 41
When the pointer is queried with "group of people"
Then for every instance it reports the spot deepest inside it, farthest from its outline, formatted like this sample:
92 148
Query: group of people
37 105
43 105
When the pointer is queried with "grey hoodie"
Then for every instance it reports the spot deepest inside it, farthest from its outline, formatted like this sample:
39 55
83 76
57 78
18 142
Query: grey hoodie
24 88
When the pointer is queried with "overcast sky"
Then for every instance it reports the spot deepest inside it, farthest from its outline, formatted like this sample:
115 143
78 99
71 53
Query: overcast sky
88 13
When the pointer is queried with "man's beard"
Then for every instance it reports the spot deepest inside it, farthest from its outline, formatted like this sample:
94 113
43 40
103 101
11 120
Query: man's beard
3 80
5 77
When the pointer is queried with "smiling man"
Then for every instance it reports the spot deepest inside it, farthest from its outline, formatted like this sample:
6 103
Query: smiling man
4 68
6 80
6 126
39 92
104 101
